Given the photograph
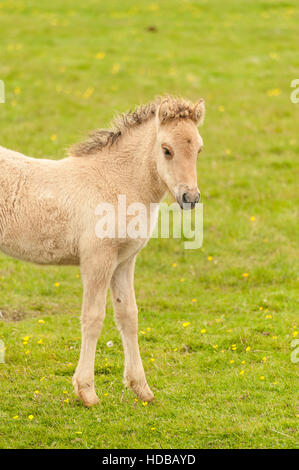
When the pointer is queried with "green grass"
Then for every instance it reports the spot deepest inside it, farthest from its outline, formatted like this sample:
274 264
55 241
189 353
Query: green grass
231 53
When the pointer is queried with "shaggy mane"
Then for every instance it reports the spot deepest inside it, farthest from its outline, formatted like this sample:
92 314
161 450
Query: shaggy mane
99 138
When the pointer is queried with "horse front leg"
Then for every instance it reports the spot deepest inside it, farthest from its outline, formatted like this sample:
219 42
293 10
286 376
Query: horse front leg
126 315
95 284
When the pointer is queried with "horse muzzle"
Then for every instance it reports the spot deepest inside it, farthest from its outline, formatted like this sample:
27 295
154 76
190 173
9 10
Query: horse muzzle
188 199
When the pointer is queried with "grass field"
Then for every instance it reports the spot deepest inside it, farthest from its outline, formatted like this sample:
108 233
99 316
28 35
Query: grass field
68 67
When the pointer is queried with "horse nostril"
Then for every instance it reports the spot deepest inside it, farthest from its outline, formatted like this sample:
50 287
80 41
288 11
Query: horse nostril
185 198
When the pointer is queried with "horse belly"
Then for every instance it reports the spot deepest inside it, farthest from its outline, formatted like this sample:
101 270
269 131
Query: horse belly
29 246
40 235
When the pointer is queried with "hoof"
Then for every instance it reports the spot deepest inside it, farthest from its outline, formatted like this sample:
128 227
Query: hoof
86 393
141 389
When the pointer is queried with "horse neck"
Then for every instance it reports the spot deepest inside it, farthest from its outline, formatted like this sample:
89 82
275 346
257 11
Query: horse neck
139 146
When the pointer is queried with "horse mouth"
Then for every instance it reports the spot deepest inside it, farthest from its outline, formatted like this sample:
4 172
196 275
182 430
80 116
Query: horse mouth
186 205
187 199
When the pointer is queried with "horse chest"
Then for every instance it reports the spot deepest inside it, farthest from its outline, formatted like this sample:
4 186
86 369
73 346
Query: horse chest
131 246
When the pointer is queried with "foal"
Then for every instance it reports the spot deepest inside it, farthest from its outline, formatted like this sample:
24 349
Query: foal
48 216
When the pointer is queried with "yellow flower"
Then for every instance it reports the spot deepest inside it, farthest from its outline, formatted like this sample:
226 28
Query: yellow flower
248 349
264 359
41 321
88 92
144 403
115 69
262 377
221 109
152 359
30 417
174 265
36 392
268 317
245 274
234 347
66 400
106 394
78 432
242 362
274 337
228 151
27 352
17 90
274 92
175 349
194 300
229 331
100 55
215 346
77 276
136 400
203 331
242 372
40 341
252 218
148 329
191 78
42 379
53 137
26 338
261 308
56 284
210 258
16 417
182 279
186 323
154 7
295 333
274 55
153 429
232 361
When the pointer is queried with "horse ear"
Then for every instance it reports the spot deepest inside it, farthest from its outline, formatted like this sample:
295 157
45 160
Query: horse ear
198 112
162 111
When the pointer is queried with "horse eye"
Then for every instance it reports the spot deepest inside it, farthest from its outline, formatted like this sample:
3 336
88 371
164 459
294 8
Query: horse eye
167 152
